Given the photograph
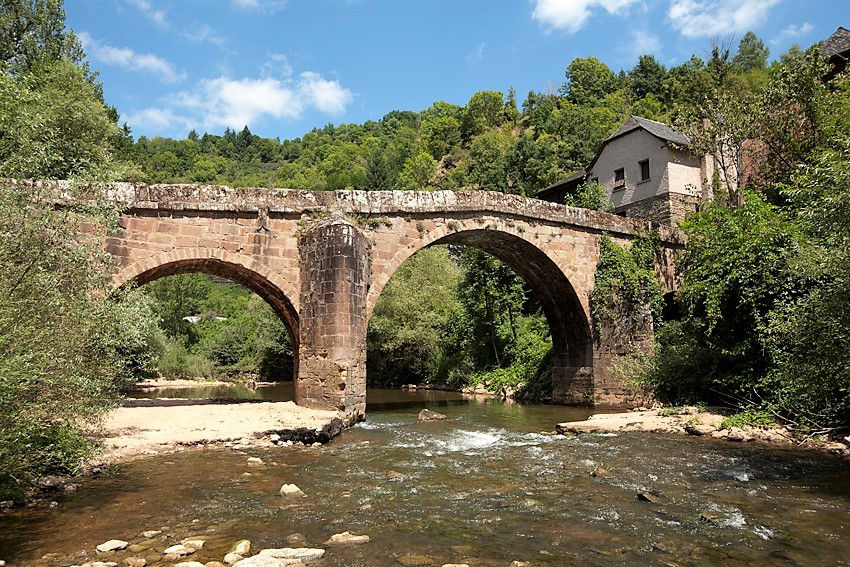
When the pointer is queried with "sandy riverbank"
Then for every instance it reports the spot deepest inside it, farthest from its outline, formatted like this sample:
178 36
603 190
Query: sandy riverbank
698 423
148 427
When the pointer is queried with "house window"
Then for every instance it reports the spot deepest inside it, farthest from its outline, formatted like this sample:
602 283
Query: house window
619 178
644 170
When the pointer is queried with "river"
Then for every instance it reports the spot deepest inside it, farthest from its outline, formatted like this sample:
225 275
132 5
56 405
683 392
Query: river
484 487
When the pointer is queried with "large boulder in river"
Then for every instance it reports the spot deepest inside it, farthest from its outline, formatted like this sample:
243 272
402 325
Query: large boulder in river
428 415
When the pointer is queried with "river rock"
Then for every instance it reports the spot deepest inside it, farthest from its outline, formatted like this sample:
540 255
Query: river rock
190 564
242 547
180 550
233 558
456 565
296 539
194 543
303 553
649 497
709 518
255 461
100 564
51 482
267 561
112 545
346 537
214 564
151 533
428 415
135 562
139 547
291 490
699 429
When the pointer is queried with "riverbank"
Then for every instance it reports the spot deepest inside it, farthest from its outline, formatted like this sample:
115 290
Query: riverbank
152 426
692 421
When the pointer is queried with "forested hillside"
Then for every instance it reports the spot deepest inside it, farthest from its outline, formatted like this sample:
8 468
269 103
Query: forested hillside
493 142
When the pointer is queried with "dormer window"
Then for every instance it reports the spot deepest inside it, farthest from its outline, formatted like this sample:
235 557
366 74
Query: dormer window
619 178
644 170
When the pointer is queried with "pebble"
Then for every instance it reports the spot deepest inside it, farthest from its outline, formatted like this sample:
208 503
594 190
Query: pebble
135 562
346 537
255 460
290 490
190 564
274 437
100 564
112 545
214 564
296 539
233 558
302 553
456 565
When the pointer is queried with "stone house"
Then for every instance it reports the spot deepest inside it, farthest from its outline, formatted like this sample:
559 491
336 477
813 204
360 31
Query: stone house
647 172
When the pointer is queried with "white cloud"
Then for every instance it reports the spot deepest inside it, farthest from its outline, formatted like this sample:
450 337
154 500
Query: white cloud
642 42
156 16
156 119
571 15
265 6
329 97
204 33
129 59
793 31
226 102
277 65
477 54
706 18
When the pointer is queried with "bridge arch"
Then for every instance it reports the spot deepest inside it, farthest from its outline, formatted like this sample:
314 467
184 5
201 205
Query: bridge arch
260 279
572 345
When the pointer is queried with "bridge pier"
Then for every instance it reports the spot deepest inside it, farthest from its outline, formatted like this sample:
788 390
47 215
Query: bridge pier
335 273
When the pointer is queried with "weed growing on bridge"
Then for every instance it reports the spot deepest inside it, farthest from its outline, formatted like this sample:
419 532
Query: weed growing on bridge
625 291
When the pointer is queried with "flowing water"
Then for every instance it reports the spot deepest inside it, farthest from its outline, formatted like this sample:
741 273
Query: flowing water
483 487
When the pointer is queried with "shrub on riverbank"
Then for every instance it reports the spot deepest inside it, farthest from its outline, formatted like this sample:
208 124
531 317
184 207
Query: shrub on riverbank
66 344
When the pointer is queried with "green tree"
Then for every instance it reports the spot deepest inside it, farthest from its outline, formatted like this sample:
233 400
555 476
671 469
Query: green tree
54 125
588 81
418 172
33 31
591 196
752 53
484 110
407 330
647 77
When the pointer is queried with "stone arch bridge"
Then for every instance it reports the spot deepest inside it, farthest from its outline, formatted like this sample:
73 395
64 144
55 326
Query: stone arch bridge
321 259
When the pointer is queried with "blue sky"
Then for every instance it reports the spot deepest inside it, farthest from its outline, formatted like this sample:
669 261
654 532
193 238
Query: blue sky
283 67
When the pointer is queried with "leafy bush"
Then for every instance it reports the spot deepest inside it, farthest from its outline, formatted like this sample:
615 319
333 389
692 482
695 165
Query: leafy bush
66 345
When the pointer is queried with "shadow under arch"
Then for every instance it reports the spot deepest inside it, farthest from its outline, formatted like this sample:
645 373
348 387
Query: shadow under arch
572 344
262 284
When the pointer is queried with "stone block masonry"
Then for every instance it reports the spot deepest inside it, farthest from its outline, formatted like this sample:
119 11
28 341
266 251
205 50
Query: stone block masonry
322 258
